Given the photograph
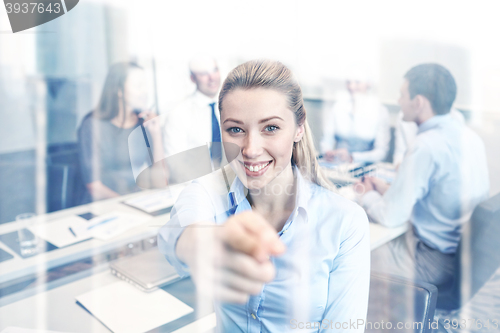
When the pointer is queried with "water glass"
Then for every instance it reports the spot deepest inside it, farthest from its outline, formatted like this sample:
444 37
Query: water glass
29 243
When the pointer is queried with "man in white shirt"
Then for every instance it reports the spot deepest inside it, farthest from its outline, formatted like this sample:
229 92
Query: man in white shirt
195 121
441 179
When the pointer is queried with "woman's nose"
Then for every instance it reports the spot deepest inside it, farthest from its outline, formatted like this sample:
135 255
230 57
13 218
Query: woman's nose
252 147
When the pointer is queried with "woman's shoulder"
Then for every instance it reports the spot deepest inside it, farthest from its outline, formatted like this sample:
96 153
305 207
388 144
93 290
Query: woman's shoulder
333 206
85 128
87 119
90 120
207 191
321 194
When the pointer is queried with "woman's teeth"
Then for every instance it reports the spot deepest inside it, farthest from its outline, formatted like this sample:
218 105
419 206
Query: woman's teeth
257 167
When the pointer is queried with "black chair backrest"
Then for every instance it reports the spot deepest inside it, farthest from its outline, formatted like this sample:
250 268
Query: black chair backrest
478 255
401 304
65 186
484 242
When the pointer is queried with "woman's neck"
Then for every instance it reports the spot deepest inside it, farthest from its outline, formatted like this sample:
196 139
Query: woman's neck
276 199
125 119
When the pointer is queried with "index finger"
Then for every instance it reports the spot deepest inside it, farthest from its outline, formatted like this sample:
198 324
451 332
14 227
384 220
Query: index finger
249 233
258 226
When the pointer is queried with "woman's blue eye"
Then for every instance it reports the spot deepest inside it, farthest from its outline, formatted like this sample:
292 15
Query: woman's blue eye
271 128
234 130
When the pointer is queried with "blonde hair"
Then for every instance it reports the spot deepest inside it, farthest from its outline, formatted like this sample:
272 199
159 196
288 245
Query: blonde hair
274 75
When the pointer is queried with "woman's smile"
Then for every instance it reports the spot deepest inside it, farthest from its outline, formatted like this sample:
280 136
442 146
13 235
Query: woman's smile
256 169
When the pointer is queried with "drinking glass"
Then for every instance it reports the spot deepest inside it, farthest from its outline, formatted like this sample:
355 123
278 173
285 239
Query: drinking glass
29 243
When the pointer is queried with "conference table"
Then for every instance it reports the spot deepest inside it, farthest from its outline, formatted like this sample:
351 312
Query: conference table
39 292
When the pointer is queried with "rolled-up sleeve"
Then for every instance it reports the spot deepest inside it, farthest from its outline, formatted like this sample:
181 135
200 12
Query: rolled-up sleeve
395 207
349 279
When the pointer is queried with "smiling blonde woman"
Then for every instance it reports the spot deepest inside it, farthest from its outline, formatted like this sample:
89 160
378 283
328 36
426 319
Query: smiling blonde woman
292 254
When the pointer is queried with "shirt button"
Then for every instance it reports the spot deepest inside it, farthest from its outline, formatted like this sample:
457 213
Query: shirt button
253 316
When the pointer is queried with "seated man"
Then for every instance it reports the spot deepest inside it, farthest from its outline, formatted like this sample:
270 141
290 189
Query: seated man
442 177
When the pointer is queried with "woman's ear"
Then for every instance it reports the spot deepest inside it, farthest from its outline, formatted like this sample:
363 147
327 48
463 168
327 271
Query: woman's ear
299 133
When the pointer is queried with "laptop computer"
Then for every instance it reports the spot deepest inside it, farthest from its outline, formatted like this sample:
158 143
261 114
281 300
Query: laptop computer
147 271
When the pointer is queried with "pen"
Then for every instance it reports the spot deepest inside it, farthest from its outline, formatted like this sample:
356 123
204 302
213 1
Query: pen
141 123
95 225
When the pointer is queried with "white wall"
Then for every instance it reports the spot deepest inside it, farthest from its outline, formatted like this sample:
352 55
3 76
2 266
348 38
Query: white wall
326 38
319 40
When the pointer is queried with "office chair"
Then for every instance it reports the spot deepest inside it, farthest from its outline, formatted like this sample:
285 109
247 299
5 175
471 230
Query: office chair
65 187
481 259
481 267
395 300
389 158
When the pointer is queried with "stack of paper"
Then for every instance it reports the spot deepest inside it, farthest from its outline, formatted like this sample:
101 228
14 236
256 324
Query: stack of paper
123 308
109 225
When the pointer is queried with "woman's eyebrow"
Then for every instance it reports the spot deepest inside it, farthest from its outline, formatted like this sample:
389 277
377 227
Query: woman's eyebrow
270 118
260 121
233 120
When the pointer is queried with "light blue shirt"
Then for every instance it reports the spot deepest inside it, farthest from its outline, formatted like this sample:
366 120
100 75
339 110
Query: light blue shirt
322 280
439 183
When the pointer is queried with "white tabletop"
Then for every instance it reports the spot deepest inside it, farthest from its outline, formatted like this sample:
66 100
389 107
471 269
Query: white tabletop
57 310
52 306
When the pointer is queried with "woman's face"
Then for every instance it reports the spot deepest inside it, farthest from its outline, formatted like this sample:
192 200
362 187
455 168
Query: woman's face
357 87
136 95
261 124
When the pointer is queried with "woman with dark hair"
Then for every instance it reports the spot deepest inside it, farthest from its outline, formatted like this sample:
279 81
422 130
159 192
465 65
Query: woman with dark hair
103 134
281 251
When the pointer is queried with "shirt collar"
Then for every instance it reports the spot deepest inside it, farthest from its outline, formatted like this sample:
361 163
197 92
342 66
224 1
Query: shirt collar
202 99
301 199
433 122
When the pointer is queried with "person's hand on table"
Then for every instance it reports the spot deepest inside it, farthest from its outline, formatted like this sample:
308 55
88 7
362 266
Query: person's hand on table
363 186
231 262
379 185
368 184
341 155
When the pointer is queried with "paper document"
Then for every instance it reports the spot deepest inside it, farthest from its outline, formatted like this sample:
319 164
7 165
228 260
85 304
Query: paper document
109 225
123 308
57 232
153 202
